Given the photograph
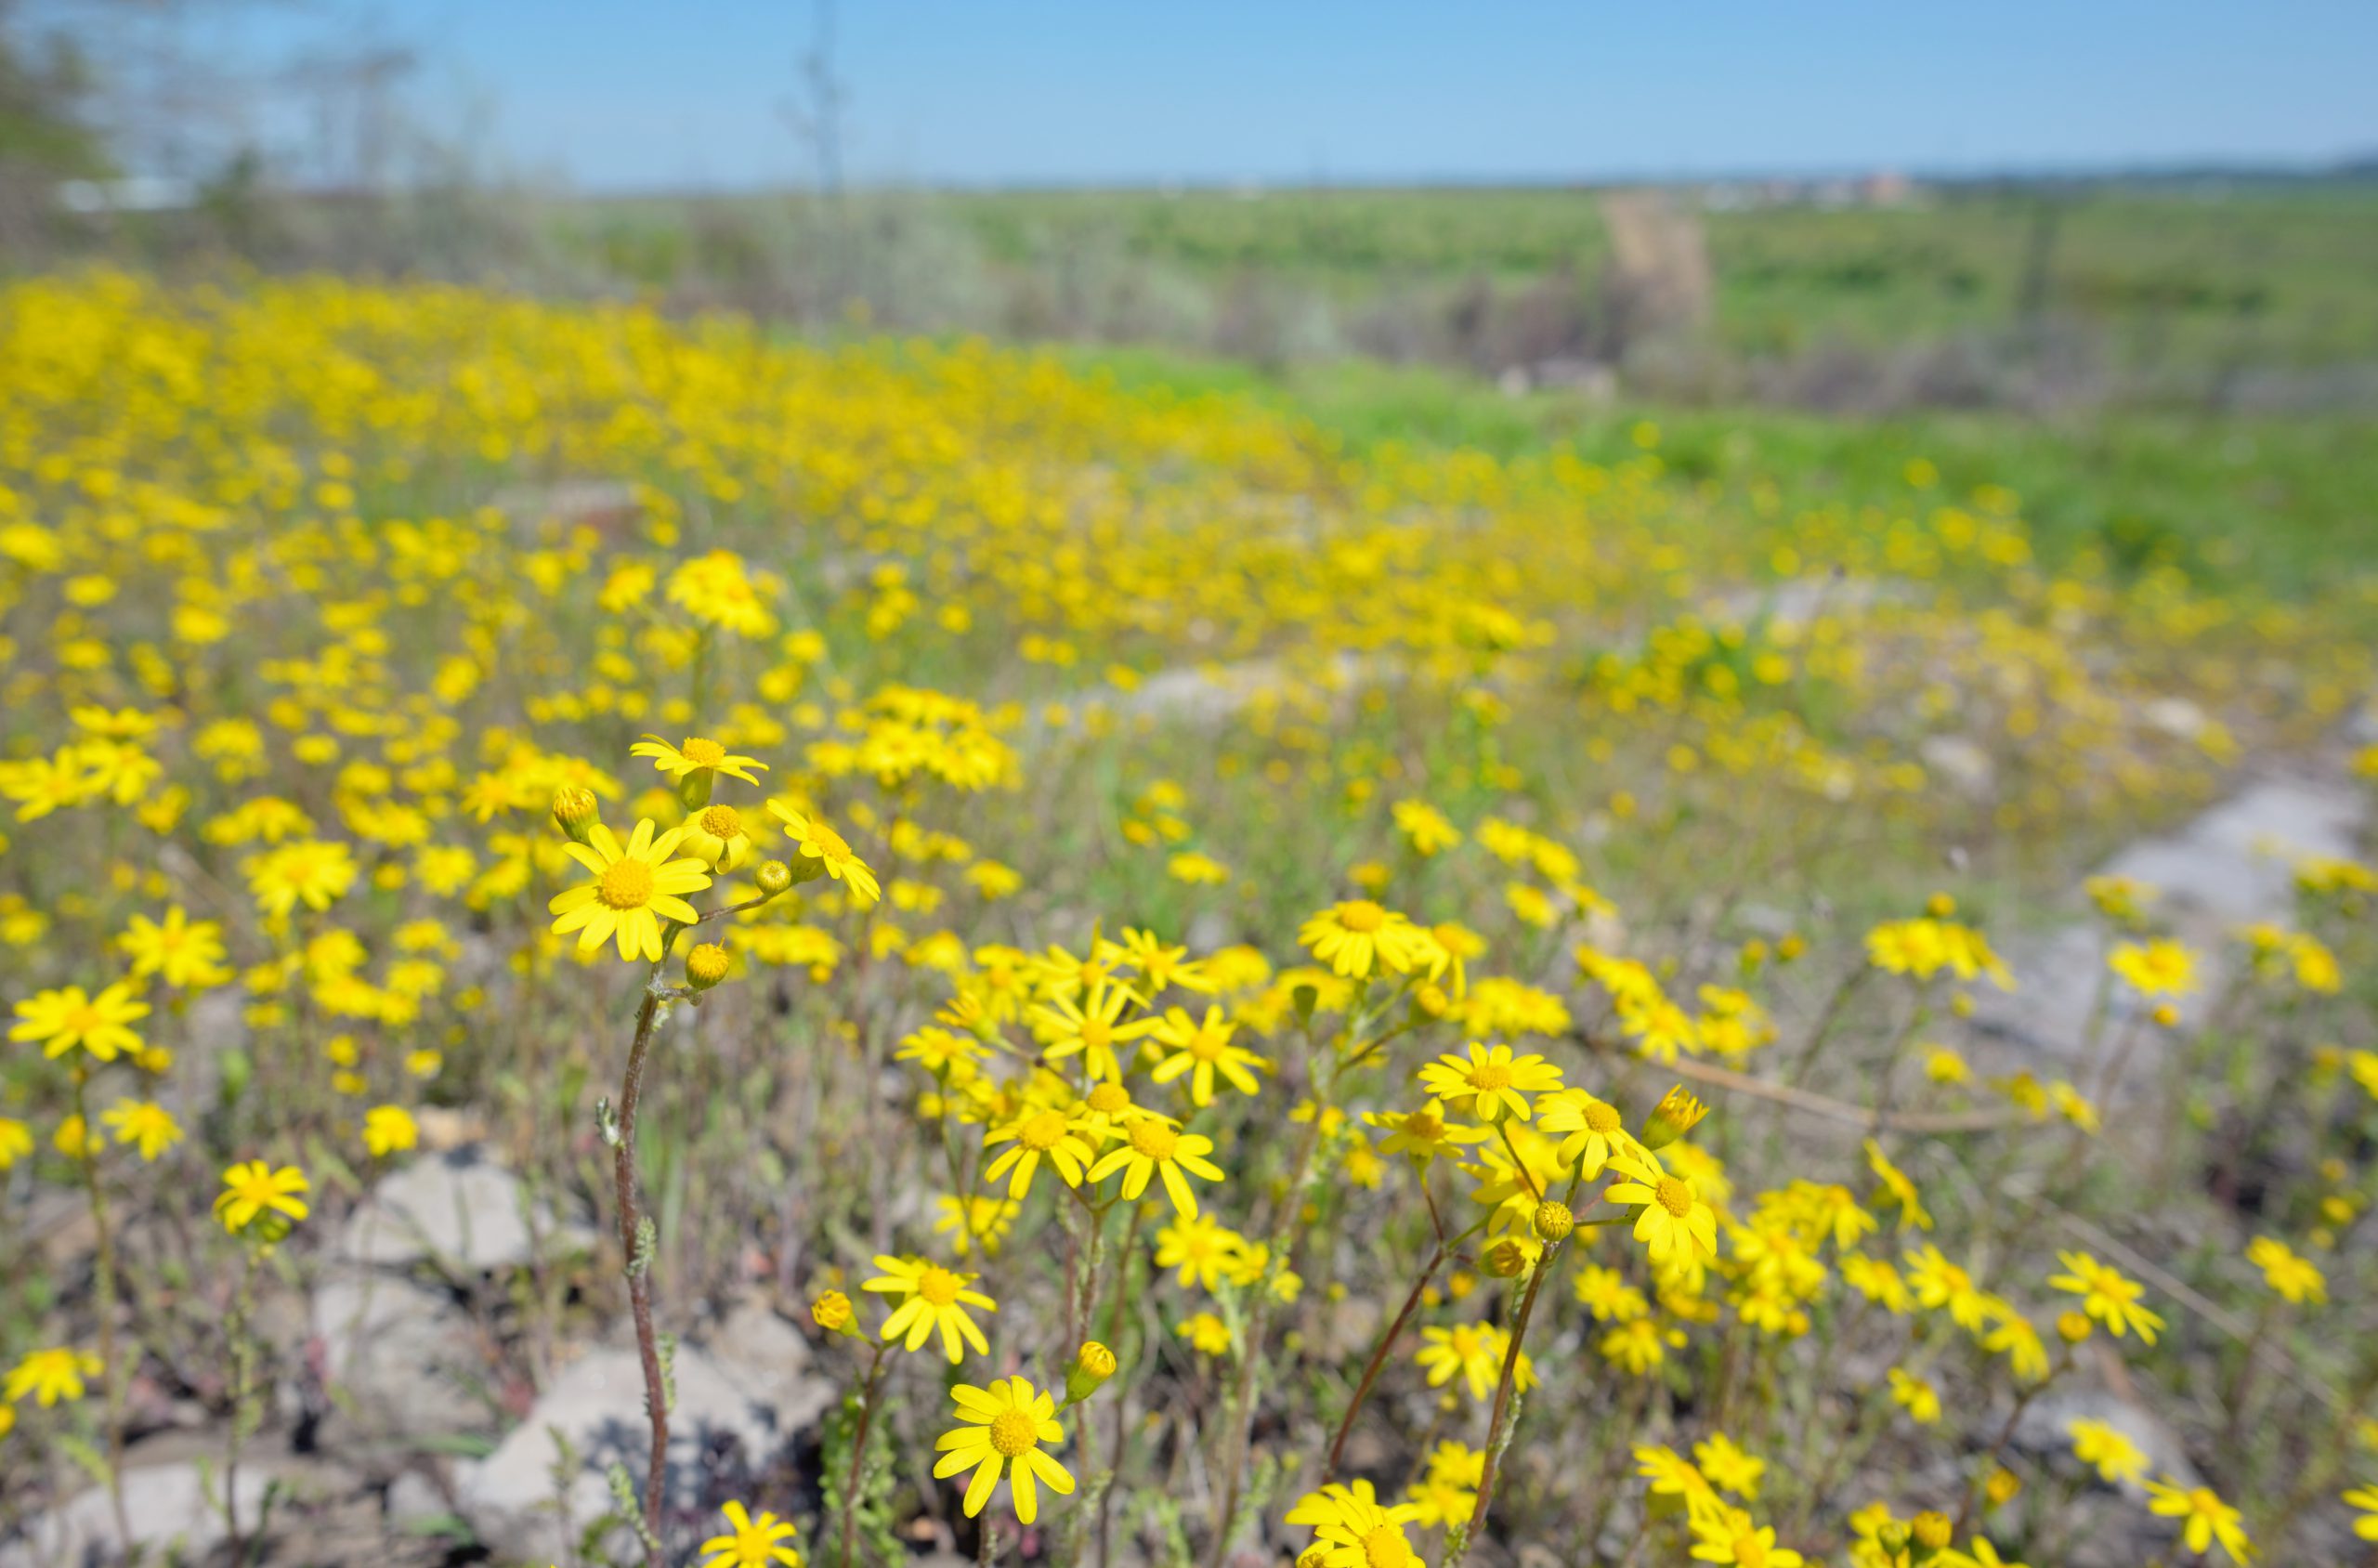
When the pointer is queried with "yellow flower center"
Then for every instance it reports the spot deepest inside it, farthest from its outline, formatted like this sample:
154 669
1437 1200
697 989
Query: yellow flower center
1386 1548
1042 1130
1602 1118
1154 1140
1488 1076
1096 1035
1362 915
722 822
831 848
1109 1098
1425 1124
939 1286
1013 1432
702 754
1675 1196
626 885
1749 1553
1207 1045
80 1020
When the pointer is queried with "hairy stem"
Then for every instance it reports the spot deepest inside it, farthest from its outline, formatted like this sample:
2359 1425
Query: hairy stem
639 1266
858 1454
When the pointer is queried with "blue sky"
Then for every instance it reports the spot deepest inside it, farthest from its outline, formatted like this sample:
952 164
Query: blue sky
609 94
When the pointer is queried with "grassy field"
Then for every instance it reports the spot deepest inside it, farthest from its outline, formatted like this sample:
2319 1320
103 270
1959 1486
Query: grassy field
2280 275
1337 967
2279 505
2172 287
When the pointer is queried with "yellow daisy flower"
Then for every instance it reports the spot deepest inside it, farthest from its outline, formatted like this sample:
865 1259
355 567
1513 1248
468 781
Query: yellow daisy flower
2206 1518
1153 1145
50 1376
763 1541
65 1018
256 1189
1494 1082
1359 939
1674 1223
1203 1050
937 1298
1036 1135
636 888
2106 1296
1352 1529
1003 1427
144 1123
814 840
695 754
1596 1130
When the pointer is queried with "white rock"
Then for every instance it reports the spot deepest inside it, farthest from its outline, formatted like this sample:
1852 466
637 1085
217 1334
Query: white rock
166 1506
460 1210
597 1404
1960 761
408 1357
412 1498
2235 863
2046 1429
753 1336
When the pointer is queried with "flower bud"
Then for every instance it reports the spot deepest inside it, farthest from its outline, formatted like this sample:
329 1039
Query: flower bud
693 789
575 811
1092 1366
1429 1000
1553 1220
831 1312
774 877
705 966
1507 1258
1931 1533
2073 1328
2001 1487
1676 1114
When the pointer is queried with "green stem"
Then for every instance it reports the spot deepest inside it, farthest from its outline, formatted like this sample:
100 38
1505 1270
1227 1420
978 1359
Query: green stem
103 1287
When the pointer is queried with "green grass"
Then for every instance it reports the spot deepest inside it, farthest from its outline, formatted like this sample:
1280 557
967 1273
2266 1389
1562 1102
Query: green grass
2260 275
2284 504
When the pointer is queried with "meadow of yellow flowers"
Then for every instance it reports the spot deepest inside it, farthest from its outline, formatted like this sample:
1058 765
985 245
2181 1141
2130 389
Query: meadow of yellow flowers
1233 998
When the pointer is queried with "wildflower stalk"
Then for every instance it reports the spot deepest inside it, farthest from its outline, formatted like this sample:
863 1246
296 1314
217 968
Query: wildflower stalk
1242 1403
2233 1398
858 1453
637 1249
1997 1454
103 1287
1499 1434
1386 1344
1825 1021
242 1377
1497 1429
1113 1336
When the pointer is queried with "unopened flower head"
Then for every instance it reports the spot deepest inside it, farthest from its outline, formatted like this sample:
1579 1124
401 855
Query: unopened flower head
575 810
705 965
1093 1363
1677 1114
831 1312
